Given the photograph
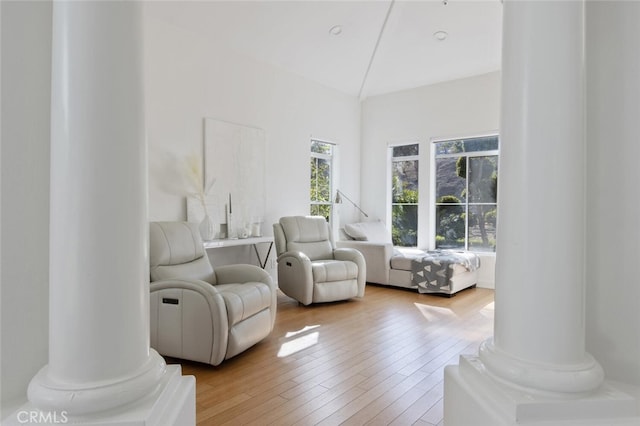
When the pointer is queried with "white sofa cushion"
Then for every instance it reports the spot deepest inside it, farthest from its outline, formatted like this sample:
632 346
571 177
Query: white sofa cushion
403 257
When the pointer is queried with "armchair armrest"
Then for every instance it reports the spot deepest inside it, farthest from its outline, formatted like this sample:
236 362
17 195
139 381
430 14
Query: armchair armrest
182 311
295 276
356 257
204 288
241 273
348 254
297 254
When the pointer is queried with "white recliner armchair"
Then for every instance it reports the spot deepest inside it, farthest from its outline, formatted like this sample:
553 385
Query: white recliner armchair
310 268
202 314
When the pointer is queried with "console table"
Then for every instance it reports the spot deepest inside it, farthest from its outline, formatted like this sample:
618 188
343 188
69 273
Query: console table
233 242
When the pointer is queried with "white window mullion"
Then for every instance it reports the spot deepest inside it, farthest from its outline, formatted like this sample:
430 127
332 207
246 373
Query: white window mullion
447 225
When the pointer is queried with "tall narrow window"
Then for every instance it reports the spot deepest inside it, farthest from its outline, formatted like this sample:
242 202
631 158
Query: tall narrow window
466 173
321 178
404 196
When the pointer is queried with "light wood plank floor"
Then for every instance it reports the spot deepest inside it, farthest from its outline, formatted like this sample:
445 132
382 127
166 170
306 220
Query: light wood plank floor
375 361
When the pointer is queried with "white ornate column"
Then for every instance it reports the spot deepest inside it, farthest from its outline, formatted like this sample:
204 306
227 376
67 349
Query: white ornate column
540 263
536 368
100 366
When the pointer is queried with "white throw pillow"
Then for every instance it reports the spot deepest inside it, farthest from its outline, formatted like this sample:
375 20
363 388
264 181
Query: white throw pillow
355 231
373 231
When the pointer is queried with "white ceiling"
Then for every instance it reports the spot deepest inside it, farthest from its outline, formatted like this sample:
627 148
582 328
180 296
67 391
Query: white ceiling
385 45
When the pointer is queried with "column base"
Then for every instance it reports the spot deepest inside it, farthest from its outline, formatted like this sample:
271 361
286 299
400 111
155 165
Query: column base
473 397
172 403
80 399
554 380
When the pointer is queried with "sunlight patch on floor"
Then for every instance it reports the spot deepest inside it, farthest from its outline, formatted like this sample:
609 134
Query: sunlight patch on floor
299 340
301 331
488 311
435 313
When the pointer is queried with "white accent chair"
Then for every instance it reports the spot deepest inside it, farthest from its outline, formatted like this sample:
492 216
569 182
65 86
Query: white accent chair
198 313
310 268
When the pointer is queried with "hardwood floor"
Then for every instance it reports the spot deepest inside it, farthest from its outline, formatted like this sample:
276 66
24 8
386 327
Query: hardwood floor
375 361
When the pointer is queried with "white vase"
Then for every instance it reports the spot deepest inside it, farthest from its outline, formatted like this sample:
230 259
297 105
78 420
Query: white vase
207 231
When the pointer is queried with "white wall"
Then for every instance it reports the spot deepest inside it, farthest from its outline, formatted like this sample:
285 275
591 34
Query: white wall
26 74
189 78
465 107
613 202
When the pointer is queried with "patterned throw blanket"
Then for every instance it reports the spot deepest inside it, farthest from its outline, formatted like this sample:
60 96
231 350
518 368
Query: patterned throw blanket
433 271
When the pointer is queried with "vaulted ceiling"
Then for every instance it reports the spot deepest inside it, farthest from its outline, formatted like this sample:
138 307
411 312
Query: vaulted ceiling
383 45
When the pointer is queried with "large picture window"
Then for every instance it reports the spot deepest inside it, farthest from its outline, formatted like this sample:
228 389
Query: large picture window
466 203
321 178
404 195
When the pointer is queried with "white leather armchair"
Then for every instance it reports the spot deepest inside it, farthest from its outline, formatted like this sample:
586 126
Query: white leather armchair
310 268
202 314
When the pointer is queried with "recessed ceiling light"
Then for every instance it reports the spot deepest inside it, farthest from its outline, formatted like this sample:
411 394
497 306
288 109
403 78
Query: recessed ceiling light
335 30
440 35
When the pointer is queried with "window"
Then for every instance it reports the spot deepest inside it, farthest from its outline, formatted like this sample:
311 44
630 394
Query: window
321 178
466 182
404 195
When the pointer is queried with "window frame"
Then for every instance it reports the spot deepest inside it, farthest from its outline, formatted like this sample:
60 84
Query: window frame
392 204
330 158
466 204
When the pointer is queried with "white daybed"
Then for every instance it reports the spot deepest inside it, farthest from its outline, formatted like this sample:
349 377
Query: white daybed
428 272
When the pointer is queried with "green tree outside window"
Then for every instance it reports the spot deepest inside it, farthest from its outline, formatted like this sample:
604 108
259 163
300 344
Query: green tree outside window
321 179
466 193
404 187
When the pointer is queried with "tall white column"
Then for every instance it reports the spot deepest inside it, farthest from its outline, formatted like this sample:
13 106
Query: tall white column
99 355
540 265
536 367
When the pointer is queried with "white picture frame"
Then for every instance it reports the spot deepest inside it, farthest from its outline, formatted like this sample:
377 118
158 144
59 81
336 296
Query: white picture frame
234 155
